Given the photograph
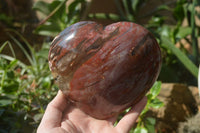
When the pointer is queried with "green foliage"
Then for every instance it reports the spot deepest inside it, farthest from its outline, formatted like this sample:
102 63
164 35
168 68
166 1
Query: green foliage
180 55
24 89
147 124
128 11
57 16
169 35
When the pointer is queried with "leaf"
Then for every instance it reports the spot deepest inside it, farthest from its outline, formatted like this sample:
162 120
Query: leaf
2 47
155 90
12 64
46 82
151 120
189 7
156 20
10 74
150 124
165 31
180 55
179 11
145 110
58 9
10 86
135 4
1 112
5 18
73 5
156 103
10 46
22 48
163 7
127 4
49 29
199 80
5 102
183 32
111 16
12 59
37 117
56 18
73 11
149 96
140 130
43 53
42 7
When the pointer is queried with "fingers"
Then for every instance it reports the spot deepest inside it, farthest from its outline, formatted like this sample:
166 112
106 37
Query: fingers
127 122
113 119
59 102
53 114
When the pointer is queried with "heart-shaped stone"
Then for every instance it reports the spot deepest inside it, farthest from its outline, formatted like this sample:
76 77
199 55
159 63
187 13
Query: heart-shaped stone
104 70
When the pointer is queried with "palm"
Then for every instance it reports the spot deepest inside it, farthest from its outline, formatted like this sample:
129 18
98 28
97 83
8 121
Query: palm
66 118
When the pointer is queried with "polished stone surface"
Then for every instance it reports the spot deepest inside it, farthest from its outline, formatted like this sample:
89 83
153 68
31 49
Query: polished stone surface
104 70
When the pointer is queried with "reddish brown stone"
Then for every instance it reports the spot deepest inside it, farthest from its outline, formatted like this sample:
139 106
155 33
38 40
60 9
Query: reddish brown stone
104 70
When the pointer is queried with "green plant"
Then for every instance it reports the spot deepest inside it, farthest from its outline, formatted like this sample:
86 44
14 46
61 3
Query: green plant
180 55
147 124
6 19
178 32
25 90
180 58
128 11
57 17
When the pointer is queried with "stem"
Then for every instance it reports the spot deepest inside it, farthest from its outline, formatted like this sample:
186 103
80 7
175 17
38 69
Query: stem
121 12
2 81
194 38
199 80
11 48
53 12
87 10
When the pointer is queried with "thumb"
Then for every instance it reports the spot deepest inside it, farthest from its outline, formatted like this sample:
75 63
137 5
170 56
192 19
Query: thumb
128 121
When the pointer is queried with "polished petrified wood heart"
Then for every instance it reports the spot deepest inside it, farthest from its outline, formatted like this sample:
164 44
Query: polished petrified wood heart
104 70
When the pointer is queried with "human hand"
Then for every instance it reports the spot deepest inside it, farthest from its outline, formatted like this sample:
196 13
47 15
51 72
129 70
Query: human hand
62 116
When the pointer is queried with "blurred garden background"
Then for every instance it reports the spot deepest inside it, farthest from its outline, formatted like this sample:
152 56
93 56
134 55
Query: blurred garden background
27 28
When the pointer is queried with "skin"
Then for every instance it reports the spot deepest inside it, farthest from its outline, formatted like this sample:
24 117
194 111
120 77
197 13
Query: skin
60 117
